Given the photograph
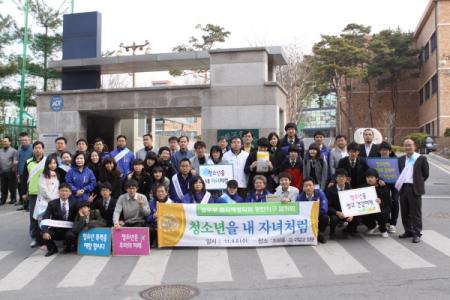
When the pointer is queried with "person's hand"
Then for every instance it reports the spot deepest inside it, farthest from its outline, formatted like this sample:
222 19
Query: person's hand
340 214
253 165
130 175
25 198
155 216
193 172
331 184
349 219
269 164
121 223
79 193
285 199
378 200
381 182
117 226
46 236
140 201
91 198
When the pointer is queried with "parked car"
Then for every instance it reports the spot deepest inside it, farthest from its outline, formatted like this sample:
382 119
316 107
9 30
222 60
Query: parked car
428 145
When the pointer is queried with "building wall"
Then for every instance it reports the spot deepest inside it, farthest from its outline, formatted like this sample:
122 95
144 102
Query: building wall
444 64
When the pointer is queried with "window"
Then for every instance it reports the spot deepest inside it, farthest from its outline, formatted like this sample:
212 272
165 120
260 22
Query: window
420 58
426 51
432 129
433 42
427 90
421 96
428 128
434 84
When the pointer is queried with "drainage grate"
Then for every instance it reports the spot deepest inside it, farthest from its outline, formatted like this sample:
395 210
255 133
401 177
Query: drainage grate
169 292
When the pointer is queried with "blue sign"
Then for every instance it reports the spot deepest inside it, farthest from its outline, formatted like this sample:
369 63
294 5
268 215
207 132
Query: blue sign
56 103
387 168
96 241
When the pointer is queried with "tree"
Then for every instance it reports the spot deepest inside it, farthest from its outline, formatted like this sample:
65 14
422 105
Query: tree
394 58
211 35
47 44
294 78
337 62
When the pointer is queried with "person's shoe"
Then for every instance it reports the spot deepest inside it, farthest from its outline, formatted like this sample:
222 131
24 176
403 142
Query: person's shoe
372 231
43 248
391 229
20 208
332 236
322 239
416 239
33 244
385 234
12 202
51 252
404 235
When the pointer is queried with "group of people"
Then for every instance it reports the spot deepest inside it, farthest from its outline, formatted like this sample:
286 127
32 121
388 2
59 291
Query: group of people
97 188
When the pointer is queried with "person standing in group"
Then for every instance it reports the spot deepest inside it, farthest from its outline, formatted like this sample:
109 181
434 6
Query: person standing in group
105 204
237 157
247 138
101 148
32 172
8 168
165 162
319 139
110 174
183 142
82 146
368 149
200 158
197 192
123 156
25 152
231 194
157 178
132 206
160 195
291 138
254 167
385 150
310 193
215 156
277 153
181 182
65 165
285 189
414 171
223 144
95 163
355 166
80 178
293 165
60 146
147 140
173 145
316 166
338 153
258 191
141 176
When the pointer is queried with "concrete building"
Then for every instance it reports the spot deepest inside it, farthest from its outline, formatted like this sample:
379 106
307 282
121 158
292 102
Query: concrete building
242 93
424 101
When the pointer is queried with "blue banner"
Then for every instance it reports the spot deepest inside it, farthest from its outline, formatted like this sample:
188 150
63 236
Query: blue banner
386 167
96 241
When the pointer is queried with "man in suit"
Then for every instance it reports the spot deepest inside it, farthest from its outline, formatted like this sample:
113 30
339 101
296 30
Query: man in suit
414 171
105 204
338 153
62 209
368 149
355 166
334 206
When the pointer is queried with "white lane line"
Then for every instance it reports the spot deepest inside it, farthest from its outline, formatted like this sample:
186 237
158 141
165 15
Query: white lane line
277 263
213 265
25 272
437 241
340 261
397 253
436 197
439 167
149 270
3 254
85 272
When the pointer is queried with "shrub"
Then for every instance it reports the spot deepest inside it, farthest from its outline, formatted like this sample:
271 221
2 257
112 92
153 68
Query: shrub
417 137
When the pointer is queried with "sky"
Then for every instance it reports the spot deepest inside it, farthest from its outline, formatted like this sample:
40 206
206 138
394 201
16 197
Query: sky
169 23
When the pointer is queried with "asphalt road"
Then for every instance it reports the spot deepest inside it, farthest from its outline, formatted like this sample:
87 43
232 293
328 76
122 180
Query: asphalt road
361 268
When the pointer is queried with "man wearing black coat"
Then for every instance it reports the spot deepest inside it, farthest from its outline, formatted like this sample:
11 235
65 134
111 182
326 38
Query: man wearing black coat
62 209
368 149
414 171
105 203
355 166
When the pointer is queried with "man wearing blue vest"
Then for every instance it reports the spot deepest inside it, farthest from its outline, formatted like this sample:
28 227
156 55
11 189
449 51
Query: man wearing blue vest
123 156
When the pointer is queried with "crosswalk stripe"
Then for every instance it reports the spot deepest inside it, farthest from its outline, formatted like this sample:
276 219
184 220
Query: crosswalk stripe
340 261
149 270
25 272
3 254
397 253
213 265
85 272
437 241
277 263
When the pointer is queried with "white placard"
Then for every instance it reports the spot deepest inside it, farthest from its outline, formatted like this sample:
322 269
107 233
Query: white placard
216 176
359 202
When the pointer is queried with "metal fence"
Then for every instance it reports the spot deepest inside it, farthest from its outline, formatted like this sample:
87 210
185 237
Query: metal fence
9 126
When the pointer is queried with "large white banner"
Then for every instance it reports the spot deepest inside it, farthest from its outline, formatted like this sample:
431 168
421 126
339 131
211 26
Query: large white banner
237 225
359 202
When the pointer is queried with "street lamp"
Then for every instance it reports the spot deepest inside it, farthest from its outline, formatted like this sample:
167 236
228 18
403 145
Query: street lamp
134 47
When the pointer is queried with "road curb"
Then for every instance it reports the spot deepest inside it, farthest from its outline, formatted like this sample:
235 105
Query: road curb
440 158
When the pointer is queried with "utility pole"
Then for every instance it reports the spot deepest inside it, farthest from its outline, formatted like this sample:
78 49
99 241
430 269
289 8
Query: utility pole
133 47
23 68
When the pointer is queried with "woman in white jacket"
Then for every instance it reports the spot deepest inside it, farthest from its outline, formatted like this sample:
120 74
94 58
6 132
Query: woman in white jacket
48 187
